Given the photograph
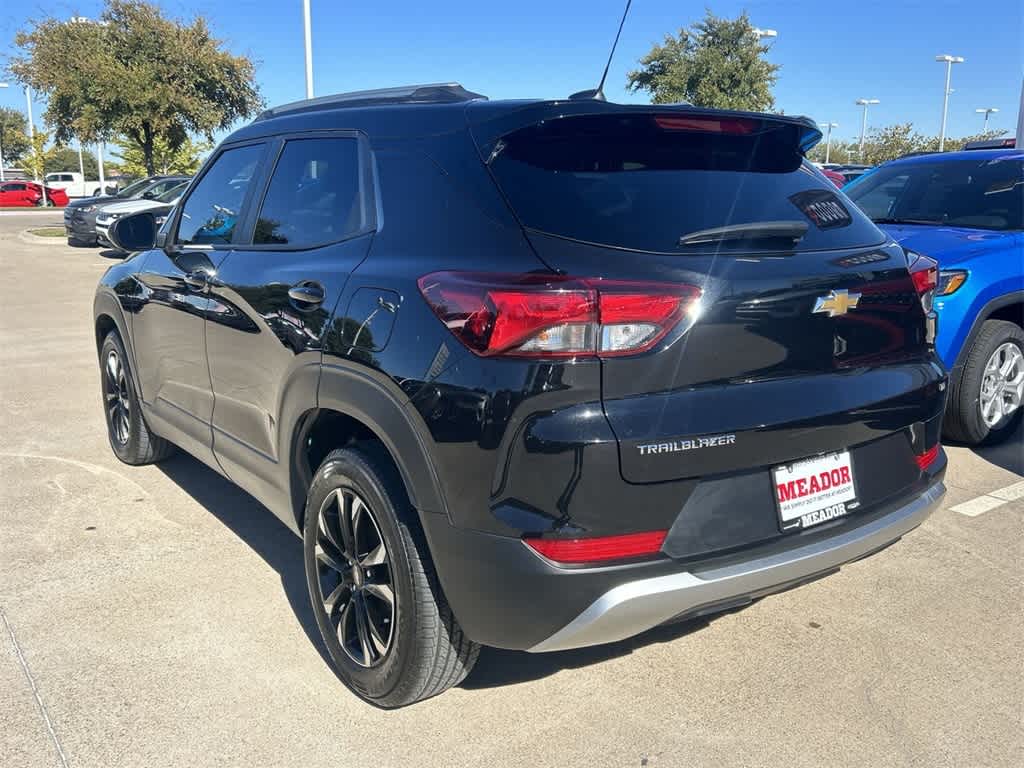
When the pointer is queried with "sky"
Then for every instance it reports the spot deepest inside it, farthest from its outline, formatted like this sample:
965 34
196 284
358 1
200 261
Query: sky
831 53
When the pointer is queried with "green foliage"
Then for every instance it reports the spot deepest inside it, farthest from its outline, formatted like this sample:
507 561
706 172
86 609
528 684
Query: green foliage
37 160
13 135
184 159
137 74
889 142
717 62
66 159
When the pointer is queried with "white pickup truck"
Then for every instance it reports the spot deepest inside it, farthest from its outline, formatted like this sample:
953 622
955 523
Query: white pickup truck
75 185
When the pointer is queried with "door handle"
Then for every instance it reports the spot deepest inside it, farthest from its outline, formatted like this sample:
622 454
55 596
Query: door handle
307 294
198 279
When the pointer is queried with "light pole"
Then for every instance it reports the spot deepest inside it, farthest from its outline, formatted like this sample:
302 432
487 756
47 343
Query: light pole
949 61
765 32
309 49
81 161
2 85
864 122
828 139
986 112
32 141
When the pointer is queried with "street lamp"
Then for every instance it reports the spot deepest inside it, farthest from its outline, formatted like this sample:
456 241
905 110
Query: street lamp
309 49
764 32
949 61
828 139
864 122
986 112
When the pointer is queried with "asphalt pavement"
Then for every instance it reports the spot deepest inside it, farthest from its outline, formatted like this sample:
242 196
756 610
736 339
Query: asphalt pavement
156 616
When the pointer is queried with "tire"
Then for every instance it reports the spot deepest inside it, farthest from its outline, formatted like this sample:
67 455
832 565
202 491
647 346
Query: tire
965 421
130 437
392 654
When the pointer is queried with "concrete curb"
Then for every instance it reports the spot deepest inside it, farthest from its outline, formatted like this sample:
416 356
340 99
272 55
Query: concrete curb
27 237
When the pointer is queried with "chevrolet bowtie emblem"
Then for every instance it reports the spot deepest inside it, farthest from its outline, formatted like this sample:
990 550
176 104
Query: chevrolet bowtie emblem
837 302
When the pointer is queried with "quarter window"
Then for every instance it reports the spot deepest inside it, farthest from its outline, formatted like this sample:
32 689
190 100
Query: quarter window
314 196
211 212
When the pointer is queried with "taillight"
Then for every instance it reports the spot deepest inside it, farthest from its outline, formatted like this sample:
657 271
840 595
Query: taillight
925 274
707 124
555 316
926 459
599 548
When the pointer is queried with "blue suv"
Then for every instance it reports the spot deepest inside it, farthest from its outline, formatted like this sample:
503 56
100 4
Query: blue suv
965 210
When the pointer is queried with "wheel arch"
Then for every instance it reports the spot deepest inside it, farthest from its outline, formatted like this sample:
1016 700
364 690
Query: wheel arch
1009 306
352 406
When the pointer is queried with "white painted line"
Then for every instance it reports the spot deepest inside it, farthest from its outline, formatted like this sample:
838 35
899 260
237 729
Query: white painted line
1010 492
978 506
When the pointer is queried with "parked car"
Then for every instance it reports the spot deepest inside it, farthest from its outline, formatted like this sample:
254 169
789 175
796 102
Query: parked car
834 176
160 206
28 193
510 384
965 209
80 215
76 185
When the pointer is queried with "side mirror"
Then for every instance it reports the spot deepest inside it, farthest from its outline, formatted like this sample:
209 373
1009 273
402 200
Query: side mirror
136 232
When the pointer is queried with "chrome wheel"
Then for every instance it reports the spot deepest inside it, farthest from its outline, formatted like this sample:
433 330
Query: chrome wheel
1002 384
354 577
116 397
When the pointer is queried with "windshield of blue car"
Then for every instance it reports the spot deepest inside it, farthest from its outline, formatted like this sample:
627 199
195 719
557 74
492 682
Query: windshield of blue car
986 193
134 189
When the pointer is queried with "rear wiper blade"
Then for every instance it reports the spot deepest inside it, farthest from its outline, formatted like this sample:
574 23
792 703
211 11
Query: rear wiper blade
758 230
886 220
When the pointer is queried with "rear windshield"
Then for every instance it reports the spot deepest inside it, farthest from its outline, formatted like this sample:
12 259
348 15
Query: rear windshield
987 193
646 182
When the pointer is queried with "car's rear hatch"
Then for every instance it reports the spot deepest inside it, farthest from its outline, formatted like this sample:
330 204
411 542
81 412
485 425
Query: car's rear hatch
809 335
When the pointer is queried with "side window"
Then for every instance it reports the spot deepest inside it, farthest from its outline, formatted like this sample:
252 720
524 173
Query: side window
315 196
880 201
212 209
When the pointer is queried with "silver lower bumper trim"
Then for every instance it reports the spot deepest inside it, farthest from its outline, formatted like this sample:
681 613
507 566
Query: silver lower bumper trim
634 607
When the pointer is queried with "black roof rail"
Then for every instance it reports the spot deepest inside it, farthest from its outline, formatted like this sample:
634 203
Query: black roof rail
431 93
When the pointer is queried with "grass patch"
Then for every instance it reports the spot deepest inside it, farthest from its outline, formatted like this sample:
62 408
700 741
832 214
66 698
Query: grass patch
48 232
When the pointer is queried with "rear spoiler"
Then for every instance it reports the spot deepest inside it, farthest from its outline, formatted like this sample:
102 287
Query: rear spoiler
489 121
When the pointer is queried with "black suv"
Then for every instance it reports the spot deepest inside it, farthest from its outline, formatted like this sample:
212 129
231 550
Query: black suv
529 374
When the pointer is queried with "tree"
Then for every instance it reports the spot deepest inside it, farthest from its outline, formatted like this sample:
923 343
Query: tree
37 159
145 77
66 159
717 62
186 159
13 135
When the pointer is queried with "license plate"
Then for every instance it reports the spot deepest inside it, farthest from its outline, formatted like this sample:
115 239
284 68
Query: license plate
814 491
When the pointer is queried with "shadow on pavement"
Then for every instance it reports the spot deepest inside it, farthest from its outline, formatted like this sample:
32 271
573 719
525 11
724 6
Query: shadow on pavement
256 526
282 550
1009 454
498 667
109 253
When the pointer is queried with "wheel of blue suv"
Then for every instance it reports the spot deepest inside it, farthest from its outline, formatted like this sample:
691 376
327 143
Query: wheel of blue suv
985 402
130 437
377 601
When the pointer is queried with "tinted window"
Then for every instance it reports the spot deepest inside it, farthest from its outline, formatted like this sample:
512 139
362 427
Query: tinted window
314 195
979 194
212 209
644 182
14 188
133 189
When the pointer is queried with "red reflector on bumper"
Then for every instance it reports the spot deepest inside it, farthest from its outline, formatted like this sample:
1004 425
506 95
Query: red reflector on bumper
600 548
926 459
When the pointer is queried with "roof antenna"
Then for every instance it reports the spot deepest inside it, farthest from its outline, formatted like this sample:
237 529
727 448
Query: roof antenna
598 93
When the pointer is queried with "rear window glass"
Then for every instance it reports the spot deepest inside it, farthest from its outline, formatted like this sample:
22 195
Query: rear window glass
644 182
977 194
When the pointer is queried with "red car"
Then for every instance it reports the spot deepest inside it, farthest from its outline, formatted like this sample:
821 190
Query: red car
28 193
836 178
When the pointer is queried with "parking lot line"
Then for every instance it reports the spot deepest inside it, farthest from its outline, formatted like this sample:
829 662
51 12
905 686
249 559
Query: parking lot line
978 506
1010 492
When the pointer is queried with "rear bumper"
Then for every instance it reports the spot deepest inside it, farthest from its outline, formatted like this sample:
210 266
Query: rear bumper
639 605
506 596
